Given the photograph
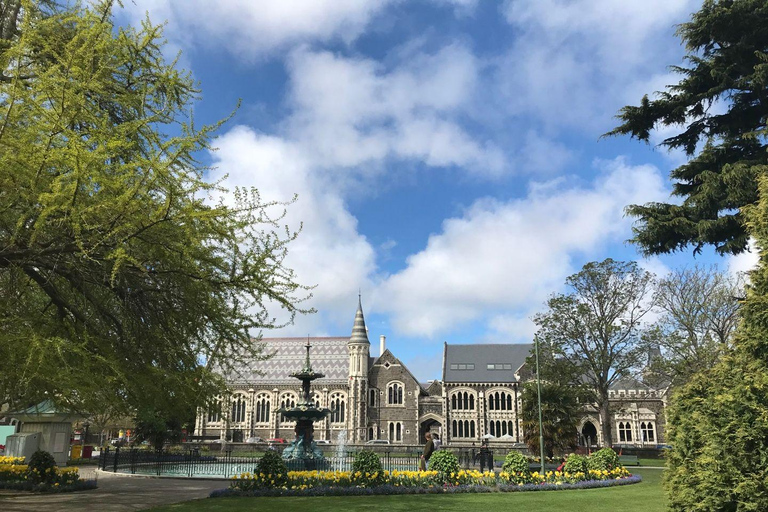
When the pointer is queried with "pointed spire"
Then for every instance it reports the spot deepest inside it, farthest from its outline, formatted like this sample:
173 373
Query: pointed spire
359 331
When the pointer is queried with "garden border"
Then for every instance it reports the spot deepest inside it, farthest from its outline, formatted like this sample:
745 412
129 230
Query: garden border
393 490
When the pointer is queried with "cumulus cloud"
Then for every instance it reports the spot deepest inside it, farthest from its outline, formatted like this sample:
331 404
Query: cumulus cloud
508 256
574 61
352 112
329 252
253 29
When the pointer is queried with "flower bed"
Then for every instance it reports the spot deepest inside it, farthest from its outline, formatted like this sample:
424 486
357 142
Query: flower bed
345 483
16 475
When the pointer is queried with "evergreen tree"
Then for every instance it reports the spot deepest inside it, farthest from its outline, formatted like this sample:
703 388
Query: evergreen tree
119 274
718 423
722 103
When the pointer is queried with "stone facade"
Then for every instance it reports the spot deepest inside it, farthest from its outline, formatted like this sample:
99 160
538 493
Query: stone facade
380 399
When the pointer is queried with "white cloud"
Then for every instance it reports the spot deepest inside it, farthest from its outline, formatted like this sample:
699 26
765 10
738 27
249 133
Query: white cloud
745 261
506 256
351 112
329 252
574 61
253 29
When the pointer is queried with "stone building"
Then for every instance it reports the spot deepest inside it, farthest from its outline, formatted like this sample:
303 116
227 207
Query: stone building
379 398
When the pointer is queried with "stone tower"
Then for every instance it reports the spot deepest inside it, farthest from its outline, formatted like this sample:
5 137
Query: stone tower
359 350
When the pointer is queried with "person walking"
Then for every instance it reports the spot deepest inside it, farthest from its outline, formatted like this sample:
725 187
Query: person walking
429 447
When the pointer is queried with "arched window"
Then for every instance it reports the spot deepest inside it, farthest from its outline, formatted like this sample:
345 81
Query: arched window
372 398
287 402
510 427
471 402
395 393
453 402
395 431
262 408
498 402
214 412
498 428
648 432
454 430
472 428
316 400
370 433
338 406
503 428
238 410
492 428
625 432
509 401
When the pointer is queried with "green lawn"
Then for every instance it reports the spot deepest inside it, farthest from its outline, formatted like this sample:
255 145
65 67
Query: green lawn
646 496
656 463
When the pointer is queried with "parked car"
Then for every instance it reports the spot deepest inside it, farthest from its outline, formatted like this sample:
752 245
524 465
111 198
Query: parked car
378 441
322 441
277 440
253 440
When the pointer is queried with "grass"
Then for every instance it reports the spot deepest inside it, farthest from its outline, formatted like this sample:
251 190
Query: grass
654 463
646 496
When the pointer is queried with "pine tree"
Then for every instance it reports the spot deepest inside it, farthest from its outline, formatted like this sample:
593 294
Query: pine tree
727 69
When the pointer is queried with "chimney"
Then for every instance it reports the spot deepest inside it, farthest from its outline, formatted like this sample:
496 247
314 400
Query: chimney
382 344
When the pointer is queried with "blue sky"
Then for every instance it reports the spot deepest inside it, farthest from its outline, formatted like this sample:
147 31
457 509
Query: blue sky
446 153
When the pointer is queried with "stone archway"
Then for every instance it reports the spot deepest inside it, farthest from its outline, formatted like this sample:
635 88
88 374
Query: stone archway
588 434
430 423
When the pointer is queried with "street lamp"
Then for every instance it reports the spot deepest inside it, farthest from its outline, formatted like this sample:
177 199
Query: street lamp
538 385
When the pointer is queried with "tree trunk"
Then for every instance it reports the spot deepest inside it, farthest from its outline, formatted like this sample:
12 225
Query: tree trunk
605 420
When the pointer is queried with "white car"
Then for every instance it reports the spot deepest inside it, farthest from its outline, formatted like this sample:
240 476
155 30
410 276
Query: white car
378 441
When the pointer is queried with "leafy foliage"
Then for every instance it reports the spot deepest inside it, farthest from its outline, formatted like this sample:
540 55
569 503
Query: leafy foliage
576 463
120 268
272 465
367 462
717 424
604 459
41 468
515 462
728 67
593 334
561 410
444 462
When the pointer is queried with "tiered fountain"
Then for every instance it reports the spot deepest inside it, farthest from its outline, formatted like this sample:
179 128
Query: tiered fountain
302 453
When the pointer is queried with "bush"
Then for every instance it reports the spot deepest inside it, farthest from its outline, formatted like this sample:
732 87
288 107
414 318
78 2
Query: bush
41 467
575 464
445 462
368 464
604 459
273 465
515 462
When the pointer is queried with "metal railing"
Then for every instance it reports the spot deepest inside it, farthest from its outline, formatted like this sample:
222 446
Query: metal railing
194 463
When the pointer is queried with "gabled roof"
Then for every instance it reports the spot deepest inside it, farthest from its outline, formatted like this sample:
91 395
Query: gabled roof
330 356
477 357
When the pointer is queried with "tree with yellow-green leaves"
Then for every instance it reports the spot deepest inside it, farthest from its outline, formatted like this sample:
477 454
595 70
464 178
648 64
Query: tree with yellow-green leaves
122 279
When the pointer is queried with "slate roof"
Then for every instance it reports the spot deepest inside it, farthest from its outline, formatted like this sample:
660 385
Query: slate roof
481 355
329 356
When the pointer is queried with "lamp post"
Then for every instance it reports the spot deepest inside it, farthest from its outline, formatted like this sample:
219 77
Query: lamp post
538 386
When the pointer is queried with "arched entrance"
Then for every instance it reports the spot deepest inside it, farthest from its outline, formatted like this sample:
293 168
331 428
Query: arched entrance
588 434
429 423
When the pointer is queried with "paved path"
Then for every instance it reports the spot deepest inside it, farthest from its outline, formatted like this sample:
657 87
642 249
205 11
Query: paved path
115 494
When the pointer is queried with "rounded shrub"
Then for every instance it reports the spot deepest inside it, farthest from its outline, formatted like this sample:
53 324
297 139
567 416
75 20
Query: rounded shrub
41 467
272 464
515 462
368 465
575 464
444 461
604 459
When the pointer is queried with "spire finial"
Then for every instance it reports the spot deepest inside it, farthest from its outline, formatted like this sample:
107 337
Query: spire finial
359 331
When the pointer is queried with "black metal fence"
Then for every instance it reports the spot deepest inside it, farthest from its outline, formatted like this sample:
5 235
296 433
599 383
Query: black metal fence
226 464
194 463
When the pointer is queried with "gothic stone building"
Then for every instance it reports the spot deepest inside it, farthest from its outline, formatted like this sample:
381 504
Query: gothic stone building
379 398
